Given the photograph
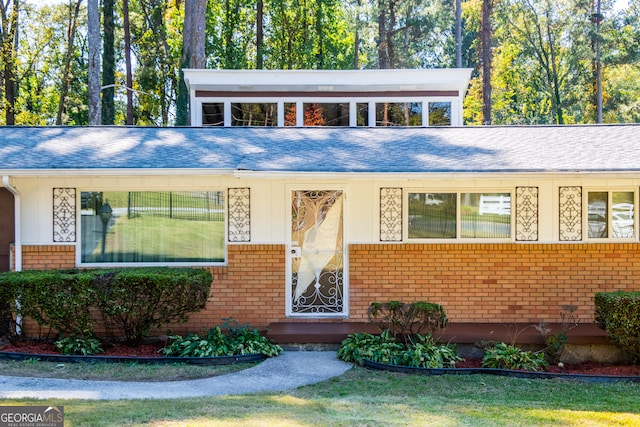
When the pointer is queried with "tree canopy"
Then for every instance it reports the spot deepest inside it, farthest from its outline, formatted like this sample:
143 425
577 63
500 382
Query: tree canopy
541 59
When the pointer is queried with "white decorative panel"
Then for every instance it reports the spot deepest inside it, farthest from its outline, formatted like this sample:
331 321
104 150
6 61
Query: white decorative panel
527 214
239 215
570 213
64 215
391 214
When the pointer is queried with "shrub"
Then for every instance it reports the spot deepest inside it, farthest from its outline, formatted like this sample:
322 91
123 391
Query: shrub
60 300
132 300
383 348
135 300
216 343
618 313
9 293
78 345
403 319
505 356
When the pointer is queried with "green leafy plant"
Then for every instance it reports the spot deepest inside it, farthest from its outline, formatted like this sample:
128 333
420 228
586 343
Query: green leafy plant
505 356
383 348
426 353
135 300
404 319
78 345
357 348
215 343
555 343
618 313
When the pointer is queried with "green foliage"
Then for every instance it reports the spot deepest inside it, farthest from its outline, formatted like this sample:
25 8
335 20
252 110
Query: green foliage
215 343
426 353
78 345
402 319
9 292
619 314
505 356
60 300
135 300
383 348
130 300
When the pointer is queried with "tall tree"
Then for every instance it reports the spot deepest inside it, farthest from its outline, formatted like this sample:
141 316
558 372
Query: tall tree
74 12
192 52
259 34
9 39
486 56
93 23
128 65
108 63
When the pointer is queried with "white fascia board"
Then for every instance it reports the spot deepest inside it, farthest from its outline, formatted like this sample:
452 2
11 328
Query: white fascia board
328 80
453 176
114 172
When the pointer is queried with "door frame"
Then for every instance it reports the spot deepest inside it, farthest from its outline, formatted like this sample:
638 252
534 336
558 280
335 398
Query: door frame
290 188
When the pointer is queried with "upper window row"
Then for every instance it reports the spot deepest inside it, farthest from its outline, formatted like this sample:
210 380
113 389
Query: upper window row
329 114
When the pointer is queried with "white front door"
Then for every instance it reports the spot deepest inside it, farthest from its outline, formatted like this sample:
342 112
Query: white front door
316 279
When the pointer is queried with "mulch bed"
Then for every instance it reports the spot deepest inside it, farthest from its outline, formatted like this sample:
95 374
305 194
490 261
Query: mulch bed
38 347
583 368
152 350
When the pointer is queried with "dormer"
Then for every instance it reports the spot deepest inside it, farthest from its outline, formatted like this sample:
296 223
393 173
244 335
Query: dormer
369 98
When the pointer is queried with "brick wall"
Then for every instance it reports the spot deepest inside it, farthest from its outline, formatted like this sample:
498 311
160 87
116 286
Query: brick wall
492 282
498 283
250 289
47 257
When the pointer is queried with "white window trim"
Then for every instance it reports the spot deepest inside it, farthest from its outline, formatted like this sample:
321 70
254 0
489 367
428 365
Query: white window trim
458 193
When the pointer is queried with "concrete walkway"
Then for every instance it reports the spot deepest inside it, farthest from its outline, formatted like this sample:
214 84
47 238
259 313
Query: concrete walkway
290 370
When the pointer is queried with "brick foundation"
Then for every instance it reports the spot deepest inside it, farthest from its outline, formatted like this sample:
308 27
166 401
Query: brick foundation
482 283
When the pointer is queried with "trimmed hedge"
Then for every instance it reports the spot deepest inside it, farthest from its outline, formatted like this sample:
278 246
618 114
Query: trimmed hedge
131 301
618 313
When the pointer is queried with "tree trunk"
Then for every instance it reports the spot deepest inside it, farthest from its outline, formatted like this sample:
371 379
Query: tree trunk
93 15
485 59
458 33
193 35
356 42
66 76
127 57
108 64
9 40
259 35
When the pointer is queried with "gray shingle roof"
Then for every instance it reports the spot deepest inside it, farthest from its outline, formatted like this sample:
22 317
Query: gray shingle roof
374 150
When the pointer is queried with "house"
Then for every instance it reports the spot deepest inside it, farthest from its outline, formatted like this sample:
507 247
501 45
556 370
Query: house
308 224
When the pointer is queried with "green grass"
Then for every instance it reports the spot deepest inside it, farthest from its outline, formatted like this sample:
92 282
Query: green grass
369 398
115 371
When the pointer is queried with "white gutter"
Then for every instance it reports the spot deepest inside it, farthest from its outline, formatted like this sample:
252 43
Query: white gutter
17 222
18 239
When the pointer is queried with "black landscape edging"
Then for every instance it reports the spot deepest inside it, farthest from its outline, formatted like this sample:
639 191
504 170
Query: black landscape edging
160 360
500 372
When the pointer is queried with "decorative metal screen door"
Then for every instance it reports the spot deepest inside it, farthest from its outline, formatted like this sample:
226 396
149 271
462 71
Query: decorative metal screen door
316 256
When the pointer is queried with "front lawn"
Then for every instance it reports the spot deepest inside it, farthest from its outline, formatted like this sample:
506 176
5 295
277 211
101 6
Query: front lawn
371 398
